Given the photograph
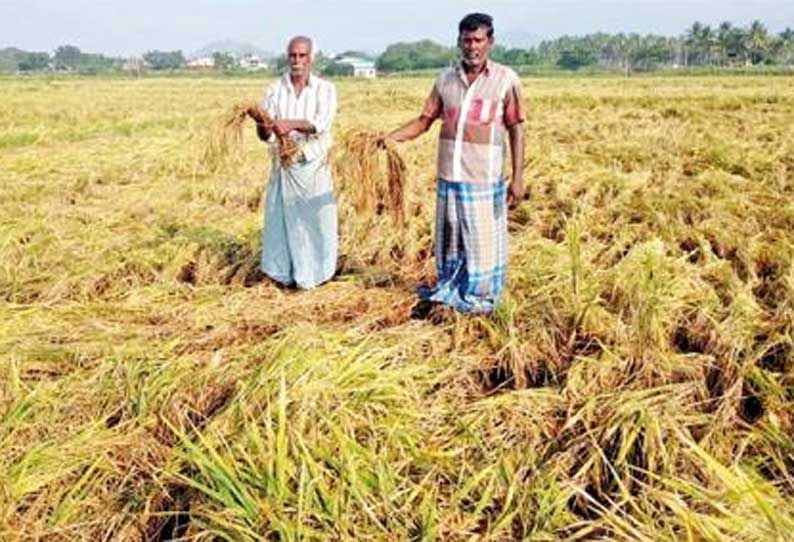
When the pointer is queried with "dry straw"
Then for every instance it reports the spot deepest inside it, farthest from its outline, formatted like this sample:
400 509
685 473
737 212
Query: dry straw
227 135
359 167
357 160
635 383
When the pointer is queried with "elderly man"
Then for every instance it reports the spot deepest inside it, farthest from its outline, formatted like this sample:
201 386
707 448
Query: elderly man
479 102
300 234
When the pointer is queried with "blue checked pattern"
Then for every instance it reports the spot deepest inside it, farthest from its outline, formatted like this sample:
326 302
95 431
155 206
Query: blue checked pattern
471 245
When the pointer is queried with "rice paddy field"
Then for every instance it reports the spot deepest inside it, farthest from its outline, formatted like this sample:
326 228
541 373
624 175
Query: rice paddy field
635 384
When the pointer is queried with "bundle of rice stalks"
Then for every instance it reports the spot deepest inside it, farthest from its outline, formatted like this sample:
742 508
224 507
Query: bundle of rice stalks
288 150
226 136
358 166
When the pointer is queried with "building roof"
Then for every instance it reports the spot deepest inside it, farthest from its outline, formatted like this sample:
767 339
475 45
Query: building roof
357 63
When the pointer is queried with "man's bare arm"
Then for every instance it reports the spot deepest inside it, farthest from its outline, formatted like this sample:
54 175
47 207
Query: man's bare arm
410 130
286 126
515 191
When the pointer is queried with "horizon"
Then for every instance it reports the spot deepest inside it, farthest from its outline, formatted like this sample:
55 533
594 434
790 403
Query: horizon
116 29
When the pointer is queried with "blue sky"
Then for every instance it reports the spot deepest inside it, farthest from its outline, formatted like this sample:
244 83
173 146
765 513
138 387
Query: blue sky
134 26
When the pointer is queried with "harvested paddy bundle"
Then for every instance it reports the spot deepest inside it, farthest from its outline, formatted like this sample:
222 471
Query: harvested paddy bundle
358 161
226 135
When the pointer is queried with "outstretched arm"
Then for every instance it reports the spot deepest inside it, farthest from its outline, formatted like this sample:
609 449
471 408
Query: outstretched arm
418 126
410 130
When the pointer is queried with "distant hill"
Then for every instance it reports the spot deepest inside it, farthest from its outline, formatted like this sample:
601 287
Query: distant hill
236 48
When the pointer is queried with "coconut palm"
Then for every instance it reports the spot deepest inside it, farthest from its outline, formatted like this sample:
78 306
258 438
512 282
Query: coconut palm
723 38
691 41
757 41
731 40
701 39
783 47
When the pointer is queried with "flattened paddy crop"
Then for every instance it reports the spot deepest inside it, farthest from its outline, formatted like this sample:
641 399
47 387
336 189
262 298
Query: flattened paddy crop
635 384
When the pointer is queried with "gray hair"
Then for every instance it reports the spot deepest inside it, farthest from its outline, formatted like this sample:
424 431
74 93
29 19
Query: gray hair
304 40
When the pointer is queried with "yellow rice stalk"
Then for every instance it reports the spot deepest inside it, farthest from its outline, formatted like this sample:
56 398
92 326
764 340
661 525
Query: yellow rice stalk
358 164
227 135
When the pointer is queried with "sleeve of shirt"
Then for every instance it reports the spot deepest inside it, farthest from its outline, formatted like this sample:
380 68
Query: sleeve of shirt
514 106
326 108
433 104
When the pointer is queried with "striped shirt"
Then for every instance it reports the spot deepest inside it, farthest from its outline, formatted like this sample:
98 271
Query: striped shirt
316 104
475 119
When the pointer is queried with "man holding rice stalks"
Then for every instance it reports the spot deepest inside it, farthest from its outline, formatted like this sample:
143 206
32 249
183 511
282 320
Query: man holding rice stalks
300 240
479 102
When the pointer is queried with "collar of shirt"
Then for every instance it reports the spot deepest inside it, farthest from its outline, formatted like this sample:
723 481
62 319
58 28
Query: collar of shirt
288 81
462 72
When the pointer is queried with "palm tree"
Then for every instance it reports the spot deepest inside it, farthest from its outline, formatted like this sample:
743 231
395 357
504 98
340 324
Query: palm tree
649 50
621 49
691 37
700 38
757 41
706 43
732 41
723 38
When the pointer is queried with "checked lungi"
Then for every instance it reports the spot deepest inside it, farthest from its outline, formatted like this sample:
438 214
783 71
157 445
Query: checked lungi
471 246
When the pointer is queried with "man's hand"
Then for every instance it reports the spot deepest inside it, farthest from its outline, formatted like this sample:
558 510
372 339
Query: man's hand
384 141
515 194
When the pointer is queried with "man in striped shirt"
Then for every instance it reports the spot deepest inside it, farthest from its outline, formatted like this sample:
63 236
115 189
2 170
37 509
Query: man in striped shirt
300 240
479 104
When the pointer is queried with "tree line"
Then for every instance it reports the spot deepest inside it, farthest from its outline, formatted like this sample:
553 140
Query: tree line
725 45
700 45
65 57
71 58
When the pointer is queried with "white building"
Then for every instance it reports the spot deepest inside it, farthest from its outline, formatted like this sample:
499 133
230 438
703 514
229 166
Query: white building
361 67
253 62
134 64
200 63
